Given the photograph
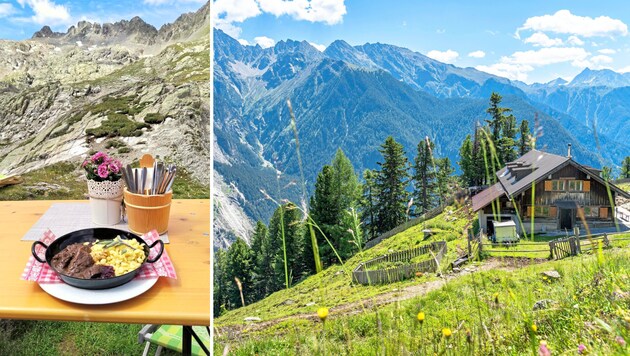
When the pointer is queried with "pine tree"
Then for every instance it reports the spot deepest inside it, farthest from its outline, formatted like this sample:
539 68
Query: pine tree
346 183
508 140
625 168
285 224
219 289
369 204
525 144
497 114
239 265
500 142
325 213
337 192
466 162
444 179
424 177
391 181
260 259
478 165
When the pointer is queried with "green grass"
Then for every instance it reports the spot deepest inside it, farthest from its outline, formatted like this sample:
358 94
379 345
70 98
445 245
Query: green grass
117 125
63 174
25 337
154 118
590 302
333 286
2 176
624 186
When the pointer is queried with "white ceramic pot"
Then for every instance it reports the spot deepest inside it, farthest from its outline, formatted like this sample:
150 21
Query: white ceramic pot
106 201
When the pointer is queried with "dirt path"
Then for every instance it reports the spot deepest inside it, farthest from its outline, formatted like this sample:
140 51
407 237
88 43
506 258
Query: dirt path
506 264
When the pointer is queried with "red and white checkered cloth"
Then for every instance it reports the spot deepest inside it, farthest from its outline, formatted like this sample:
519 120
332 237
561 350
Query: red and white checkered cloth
42 273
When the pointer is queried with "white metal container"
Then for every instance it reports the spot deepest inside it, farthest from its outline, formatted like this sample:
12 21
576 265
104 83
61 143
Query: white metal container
106 202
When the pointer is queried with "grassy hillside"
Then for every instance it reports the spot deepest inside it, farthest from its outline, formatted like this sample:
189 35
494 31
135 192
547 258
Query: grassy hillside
624 186
488 307
333 286
490 312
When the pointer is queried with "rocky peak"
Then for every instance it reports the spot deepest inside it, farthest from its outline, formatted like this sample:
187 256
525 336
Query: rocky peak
46 32
134 31
192 24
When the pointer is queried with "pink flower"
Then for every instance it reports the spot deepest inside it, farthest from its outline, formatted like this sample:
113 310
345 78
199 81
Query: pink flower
85 163
114 165
543 350
581 349
620 341
103 171
99 156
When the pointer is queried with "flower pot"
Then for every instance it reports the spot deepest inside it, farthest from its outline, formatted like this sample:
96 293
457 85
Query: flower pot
106 201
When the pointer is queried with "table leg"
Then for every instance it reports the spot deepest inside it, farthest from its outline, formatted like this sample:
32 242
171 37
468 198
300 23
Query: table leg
186 340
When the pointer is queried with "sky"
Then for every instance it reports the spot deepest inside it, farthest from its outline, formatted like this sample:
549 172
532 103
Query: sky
19 19
530 41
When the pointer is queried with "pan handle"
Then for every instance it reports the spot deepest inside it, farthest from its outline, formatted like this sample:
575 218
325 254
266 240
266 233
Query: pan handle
151 260
35 253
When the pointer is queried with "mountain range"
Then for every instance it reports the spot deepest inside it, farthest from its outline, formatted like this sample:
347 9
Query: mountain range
353 97
96 86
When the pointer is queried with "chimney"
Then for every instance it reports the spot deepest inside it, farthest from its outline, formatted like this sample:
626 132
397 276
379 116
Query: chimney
569 153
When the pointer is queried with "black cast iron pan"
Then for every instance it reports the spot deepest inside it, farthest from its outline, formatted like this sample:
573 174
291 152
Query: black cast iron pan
91 235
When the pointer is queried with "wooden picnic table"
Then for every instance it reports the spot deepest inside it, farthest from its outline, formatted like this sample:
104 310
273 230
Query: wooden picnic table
182 301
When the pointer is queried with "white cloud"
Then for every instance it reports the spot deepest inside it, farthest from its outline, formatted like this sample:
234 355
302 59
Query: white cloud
46 12
6 9
264 42
575 40
539 39
162 2
448 56
243 42
595 62
519 64
328 11
226 14
544 56
320 47
563 21
477 54
623 70
607 51
507 70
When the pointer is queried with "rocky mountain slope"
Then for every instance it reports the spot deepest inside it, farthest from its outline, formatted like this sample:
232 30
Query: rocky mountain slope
124 86
353 97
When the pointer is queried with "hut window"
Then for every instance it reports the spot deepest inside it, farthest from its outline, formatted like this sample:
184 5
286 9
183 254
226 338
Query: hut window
575 185
591 212
558 185
541 211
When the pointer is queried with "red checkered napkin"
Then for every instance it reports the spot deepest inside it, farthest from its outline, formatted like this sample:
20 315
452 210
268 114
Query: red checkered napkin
42 273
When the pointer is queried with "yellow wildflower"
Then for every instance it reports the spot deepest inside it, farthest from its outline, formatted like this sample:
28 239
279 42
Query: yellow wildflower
534 328
421 317
447 332
322 313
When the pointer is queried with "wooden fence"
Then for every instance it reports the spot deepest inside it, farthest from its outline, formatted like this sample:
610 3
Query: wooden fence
364 275
557 249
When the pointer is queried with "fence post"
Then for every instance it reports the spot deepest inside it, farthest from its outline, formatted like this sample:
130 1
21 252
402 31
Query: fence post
606 241
470 234
551 243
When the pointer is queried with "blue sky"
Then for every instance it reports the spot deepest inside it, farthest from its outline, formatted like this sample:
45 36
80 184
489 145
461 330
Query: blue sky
532 41
19 19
